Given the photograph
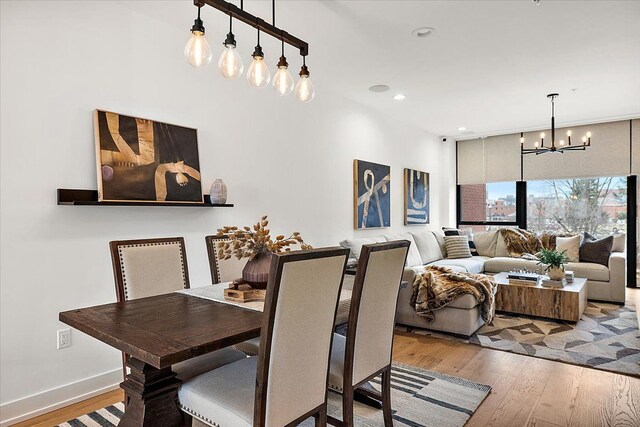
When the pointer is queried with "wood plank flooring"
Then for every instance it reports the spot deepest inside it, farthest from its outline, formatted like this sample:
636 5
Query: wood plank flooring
526 391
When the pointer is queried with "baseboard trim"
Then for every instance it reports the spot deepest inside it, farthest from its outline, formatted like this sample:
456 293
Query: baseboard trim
40 403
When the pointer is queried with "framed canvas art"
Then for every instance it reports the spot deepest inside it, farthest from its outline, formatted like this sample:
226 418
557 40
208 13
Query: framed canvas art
372 195
416 197
144 160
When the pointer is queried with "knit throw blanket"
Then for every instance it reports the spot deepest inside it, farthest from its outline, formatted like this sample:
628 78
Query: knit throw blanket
438 286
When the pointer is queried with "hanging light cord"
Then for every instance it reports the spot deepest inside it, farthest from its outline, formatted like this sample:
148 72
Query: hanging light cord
273 12
282 40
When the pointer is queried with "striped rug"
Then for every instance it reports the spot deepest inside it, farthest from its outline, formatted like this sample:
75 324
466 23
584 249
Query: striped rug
419 398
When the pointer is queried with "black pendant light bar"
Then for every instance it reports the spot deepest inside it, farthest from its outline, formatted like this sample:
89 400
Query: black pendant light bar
556 147
256 22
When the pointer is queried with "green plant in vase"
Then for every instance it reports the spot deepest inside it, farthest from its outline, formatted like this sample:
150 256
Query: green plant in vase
554 263
256 244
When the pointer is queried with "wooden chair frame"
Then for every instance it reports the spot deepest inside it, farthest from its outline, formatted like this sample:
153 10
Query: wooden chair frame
349 389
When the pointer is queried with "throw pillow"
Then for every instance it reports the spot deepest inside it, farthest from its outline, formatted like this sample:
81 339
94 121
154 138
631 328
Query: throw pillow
467 232
595 250
457 247
413 256
619 242
428 246
571 245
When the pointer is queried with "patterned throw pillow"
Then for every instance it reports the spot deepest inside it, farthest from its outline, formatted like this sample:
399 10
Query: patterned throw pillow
458 232
595 250
457 247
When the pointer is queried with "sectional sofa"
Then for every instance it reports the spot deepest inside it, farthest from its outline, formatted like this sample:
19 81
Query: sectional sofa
462 316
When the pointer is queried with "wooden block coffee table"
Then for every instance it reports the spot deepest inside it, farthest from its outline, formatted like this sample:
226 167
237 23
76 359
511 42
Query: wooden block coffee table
567 303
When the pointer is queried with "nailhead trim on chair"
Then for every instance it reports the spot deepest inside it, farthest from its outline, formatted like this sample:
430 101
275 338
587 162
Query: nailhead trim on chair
198 416
124 278
215 254
335 388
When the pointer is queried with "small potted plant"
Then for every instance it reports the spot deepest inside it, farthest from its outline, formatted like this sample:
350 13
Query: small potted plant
256 244
554 263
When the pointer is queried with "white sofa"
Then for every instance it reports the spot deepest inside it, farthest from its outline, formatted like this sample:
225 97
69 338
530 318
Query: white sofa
462 316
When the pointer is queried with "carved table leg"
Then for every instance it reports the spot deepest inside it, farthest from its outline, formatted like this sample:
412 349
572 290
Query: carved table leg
151 396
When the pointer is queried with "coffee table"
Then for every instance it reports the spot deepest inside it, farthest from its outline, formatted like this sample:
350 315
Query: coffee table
567 303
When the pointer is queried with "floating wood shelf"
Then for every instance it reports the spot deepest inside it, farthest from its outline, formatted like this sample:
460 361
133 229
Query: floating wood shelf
70 197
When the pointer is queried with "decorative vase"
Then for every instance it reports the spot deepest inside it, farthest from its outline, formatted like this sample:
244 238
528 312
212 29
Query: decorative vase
218 192
555 273
256 271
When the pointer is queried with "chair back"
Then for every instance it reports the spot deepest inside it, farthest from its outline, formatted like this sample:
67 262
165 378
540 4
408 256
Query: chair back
295 344
372 313
149 267
223 270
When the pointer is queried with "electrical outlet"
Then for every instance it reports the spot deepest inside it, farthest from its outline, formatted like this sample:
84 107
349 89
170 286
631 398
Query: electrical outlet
64 338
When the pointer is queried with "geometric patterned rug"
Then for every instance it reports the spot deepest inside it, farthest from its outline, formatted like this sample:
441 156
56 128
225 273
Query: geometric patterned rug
606 337
419 398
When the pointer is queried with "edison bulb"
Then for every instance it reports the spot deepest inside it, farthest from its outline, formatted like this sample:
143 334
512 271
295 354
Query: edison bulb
283 81
230 63
536 144
258 74
521 140
568 133
588 134
542 135
305 91
562 142
197 50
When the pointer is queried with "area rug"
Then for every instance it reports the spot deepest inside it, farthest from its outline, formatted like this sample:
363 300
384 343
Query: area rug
606 337
419 398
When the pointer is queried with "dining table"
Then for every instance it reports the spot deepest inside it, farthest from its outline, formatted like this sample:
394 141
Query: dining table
157 332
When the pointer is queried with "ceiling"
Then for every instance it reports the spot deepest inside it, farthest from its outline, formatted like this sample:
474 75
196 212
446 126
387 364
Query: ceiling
489 65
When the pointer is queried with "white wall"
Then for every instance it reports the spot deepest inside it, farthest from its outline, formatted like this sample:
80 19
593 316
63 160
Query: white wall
60 60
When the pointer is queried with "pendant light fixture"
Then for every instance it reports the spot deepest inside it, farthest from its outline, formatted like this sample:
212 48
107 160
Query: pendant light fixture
258 74
556 146
197 50
230 63
283 81
305 92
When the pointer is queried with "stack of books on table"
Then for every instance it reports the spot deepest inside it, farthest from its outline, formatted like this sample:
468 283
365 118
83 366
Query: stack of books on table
548 283
524 279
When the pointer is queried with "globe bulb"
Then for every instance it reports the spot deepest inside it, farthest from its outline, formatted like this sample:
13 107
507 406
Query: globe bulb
230 62
197 50
258 74
283 81
305 91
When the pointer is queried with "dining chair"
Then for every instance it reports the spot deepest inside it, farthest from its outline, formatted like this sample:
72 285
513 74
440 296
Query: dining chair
149 267
287 382
365 352
222 270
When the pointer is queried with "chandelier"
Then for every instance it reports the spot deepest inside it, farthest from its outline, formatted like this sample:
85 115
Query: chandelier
555 147
198 53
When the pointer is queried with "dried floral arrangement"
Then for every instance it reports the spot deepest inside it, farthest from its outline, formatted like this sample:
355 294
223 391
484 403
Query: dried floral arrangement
250 242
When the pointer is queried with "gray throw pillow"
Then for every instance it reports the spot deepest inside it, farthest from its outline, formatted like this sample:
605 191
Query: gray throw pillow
595 250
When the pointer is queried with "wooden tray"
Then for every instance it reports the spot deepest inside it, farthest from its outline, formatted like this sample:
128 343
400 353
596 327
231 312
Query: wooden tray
244 293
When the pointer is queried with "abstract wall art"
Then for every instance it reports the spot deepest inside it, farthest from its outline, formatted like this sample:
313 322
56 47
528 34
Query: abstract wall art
372 195
416 197
144 160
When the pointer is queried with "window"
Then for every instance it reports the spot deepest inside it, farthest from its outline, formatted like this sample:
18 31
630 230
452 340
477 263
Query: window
595 205
487 205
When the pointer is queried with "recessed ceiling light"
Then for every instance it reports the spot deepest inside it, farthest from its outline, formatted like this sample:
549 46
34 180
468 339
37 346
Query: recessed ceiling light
399 96
462 128
423 32
379 88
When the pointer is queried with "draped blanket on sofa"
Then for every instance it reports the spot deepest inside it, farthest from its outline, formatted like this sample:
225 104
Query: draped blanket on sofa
438 286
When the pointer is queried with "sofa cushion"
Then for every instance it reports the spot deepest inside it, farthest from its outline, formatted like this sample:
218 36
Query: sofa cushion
486 242
355 245
501 246
475 264
571 245
589 270
428 246
457 247
413 256
500 264
619 242
596 250
439 235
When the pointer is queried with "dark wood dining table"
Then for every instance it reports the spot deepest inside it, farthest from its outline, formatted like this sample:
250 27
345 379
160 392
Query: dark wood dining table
157 332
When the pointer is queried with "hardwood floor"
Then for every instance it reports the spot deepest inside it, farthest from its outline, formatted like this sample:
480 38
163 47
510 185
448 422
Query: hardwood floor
525 391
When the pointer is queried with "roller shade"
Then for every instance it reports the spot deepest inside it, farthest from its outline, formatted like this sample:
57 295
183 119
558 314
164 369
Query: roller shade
635 147
471 163
607 156
502 158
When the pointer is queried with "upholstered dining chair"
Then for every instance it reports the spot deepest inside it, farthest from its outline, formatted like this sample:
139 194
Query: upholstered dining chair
365 352
222 270
287 382
150 267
